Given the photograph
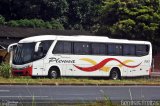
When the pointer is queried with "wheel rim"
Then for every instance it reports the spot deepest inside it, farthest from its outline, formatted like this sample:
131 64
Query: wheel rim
53 74
114 75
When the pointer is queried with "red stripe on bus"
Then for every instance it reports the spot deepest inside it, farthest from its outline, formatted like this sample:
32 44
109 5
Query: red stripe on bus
102 63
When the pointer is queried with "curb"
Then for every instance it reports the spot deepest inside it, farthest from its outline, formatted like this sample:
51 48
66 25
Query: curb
54 84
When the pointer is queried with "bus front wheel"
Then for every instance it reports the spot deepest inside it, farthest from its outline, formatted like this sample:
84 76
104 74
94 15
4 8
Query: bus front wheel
53 74
115 74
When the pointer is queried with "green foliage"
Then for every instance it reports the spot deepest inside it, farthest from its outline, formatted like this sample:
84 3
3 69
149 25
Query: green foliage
70 14
48 25
131 19
56 24
27 23
13 23
125 25
81 13
2 20
144 18
5 70
107 100
36 23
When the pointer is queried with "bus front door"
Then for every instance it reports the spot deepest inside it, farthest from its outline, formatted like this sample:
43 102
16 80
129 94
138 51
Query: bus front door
38 68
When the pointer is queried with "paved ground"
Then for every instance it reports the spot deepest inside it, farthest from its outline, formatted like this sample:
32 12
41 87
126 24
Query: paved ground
19 93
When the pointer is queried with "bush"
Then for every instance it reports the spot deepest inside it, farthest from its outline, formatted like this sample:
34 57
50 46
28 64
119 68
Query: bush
5 70
56 25
25 23
2 20
48 25
13 23
36 23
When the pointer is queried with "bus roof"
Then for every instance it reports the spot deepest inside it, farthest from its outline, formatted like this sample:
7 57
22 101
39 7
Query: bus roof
80 38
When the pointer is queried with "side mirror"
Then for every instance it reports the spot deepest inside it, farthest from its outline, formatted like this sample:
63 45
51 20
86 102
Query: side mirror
10 47
37 46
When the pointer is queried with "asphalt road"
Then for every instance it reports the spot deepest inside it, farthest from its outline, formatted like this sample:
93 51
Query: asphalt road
18 93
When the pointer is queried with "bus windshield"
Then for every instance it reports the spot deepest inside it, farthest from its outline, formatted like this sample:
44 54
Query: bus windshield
23 53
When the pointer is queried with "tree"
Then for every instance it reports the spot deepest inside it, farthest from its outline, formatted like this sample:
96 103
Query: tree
131 19
81 14
73 14
53 9
42 9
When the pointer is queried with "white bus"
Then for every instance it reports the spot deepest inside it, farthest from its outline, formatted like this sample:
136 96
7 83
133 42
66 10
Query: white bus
56 56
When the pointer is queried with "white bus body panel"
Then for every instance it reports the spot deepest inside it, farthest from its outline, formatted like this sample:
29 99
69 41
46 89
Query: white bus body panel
135 67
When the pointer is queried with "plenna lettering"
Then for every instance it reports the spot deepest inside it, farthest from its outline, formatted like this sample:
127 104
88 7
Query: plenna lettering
58 60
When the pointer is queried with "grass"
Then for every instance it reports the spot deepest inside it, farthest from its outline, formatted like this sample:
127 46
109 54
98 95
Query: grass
96 103
79 81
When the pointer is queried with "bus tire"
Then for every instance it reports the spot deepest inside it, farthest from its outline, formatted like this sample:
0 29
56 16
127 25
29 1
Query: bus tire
53 73
115 74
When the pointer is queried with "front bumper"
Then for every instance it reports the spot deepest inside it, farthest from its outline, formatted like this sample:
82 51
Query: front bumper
22 72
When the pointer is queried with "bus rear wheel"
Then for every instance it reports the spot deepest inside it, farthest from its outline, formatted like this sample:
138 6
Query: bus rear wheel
115 74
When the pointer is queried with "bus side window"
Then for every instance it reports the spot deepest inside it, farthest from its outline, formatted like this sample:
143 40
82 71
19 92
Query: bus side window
115 49
46 45
98 49
142 50
81 48
147 49
58 48
129 50
62 47
118 49
67 47
43 49
111 49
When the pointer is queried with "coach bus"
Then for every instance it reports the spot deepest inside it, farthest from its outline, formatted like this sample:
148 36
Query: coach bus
90 56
